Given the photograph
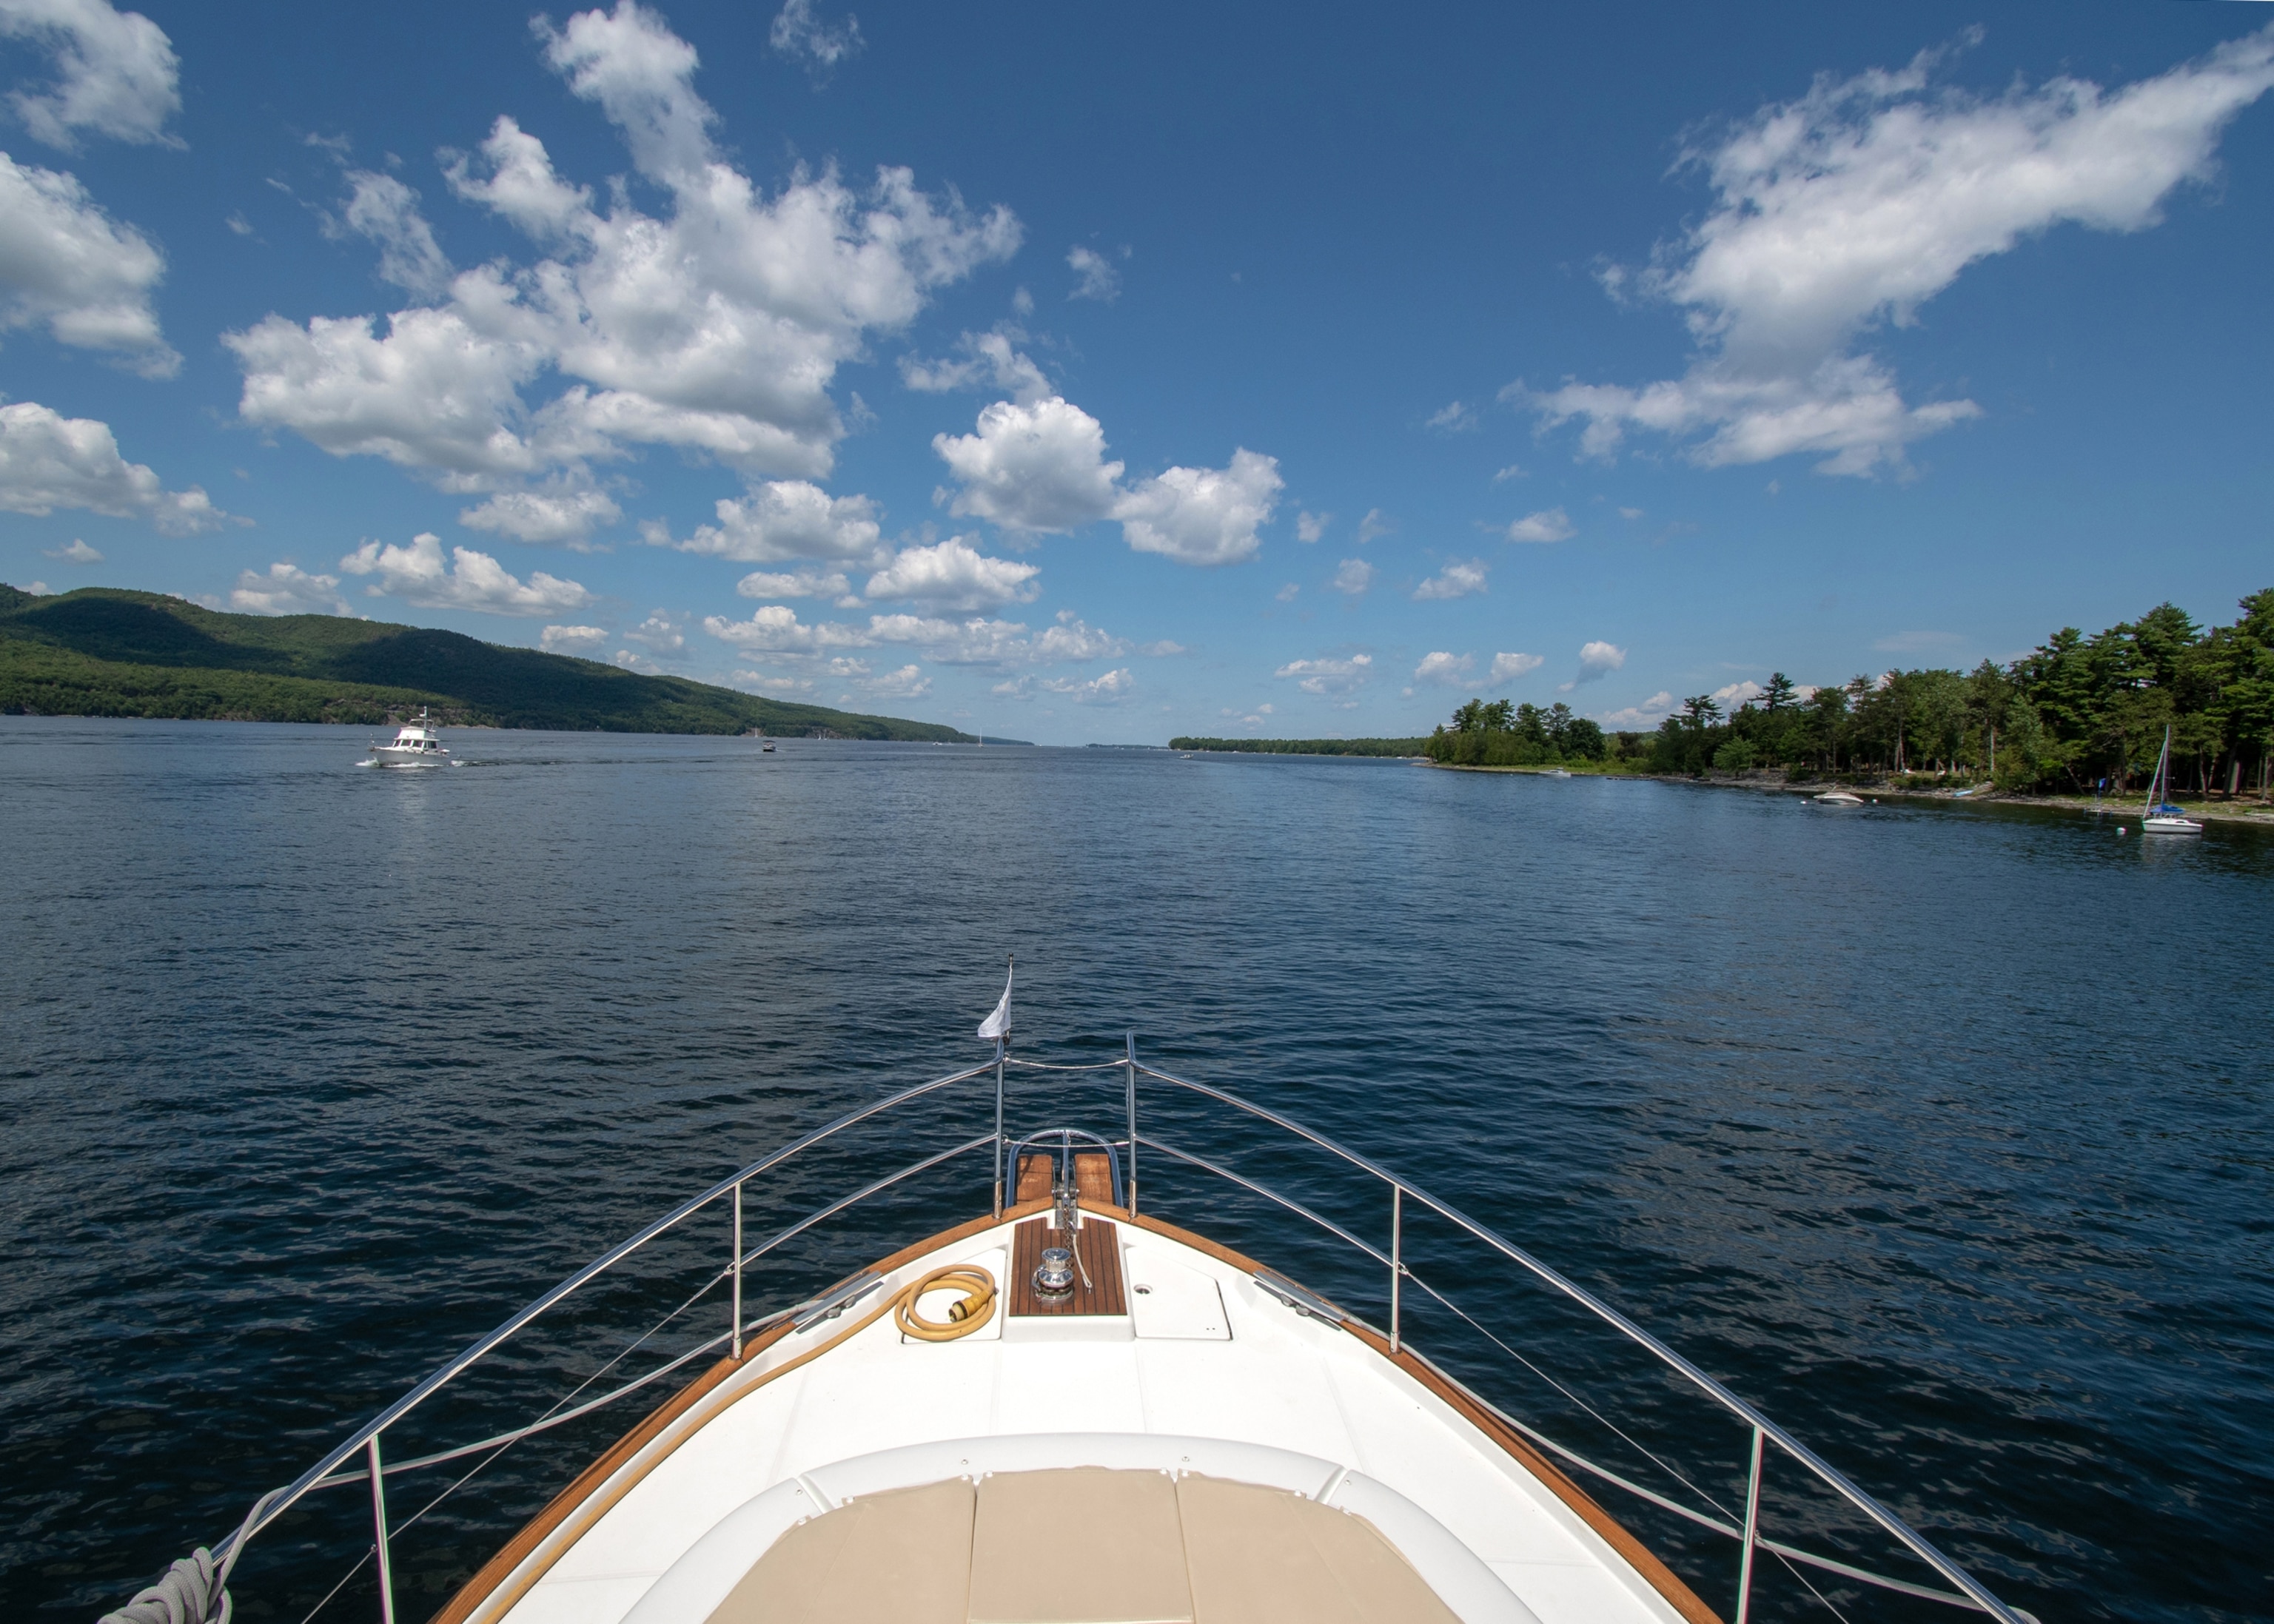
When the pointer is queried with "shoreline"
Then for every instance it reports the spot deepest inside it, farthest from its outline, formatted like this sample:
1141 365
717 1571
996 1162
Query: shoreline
2250 814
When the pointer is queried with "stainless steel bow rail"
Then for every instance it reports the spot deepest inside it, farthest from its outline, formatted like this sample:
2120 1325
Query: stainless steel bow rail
193 1592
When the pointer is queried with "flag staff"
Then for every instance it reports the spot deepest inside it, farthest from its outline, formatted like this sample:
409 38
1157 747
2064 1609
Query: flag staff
998 1027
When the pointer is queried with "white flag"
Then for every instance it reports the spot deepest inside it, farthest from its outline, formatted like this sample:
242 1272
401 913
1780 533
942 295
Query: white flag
998 1024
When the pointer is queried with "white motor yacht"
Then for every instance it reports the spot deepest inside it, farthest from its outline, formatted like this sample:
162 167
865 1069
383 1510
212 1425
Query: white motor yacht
416 745
1069 1409
1838 798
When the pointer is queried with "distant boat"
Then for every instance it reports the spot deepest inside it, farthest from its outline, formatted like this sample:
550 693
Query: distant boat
2160 817
1558 772
416 745
767 749
1839 798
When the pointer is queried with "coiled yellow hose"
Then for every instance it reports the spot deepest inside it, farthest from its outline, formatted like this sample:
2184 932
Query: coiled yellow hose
975 1308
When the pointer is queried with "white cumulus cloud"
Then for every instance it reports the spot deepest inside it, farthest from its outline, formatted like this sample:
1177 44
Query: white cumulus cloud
1508 667
715 328
76 552
1040 466
115 71
982 358
1352 576
807 582
1443 669
1110 689
419 575
66 266
974 640
775 629
287 589
585 640
783 520
1649 713
1096 277
1458 579
1202 516
906 682
1597 660
1072 639
799 35
953 575
48 460
1549 524
1332 678
1853 206
661 632
383 209
1310 527
561 515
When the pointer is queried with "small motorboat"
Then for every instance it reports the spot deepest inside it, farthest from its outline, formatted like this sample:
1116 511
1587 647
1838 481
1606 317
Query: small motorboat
1558 772
416 745
767 749
1838 798
2160 817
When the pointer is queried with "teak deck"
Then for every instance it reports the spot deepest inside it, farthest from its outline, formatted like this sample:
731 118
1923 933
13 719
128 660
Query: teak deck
1099 1247
1093 1177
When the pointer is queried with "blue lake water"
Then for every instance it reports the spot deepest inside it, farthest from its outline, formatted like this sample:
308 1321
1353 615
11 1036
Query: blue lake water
1943 1133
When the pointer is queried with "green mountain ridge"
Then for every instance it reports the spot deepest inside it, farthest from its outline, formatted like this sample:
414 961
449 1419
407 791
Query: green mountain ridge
103 651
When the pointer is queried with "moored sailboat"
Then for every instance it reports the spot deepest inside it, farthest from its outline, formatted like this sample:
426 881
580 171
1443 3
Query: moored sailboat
2159 816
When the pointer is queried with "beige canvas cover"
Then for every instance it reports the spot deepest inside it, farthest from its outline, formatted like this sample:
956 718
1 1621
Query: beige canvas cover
1083 1546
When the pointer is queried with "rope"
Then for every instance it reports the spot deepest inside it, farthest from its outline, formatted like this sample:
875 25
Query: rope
189 1592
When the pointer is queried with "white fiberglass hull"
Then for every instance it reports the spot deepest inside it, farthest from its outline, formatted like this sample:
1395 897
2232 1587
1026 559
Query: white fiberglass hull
384 756
1210 1375
2171 826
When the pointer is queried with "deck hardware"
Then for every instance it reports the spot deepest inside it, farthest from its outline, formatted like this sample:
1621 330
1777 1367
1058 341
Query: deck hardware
1054 1279
999 1128
379 1532
836 1300
1753 1533
1301 1301
738 1272
1129 1040
1397 1259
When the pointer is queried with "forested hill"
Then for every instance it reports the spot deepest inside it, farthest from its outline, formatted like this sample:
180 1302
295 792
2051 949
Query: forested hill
102 652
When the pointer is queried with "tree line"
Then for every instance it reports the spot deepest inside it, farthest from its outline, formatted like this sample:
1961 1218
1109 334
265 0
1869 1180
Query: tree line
1303 747
2075 714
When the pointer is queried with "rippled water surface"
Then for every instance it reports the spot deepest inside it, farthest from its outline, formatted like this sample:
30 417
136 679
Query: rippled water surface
1943 1133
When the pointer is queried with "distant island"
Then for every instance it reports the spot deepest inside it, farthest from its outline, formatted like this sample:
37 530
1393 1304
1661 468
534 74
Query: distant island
1306 746
103 653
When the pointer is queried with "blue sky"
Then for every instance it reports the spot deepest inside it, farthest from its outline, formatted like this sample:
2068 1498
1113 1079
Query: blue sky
1099 376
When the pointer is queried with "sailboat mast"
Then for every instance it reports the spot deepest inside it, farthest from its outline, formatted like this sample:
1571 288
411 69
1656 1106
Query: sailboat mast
2156 785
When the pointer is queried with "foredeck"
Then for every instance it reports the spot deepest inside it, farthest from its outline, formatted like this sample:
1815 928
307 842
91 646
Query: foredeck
1208 1392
